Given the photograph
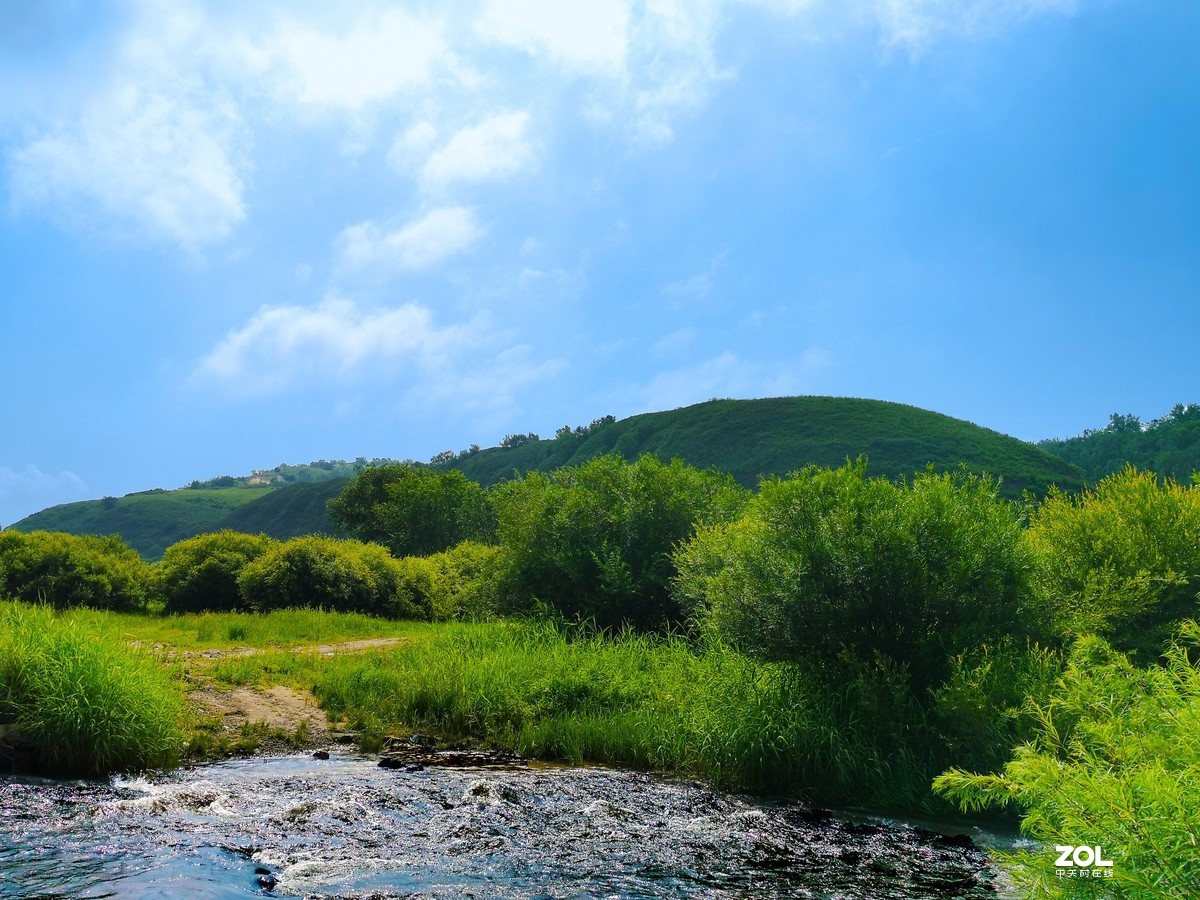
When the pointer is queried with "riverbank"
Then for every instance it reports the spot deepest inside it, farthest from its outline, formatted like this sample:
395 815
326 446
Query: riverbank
848 737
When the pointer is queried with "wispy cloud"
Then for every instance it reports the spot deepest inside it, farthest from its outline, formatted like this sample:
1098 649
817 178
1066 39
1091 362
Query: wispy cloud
153 146
282 346
495 148
917 24
728 375
25 491
591 35
435 237
372 59
338 341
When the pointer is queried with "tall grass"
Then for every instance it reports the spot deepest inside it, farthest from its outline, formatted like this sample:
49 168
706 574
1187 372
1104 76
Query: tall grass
851 735
86 703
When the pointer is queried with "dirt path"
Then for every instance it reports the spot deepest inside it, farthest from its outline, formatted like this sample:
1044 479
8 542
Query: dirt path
320 649
275 717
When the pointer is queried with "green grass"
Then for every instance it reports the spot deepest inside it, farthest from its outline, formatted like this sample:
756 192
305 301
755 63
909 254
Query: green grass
752 438
148 522
846 738
87 703
281 628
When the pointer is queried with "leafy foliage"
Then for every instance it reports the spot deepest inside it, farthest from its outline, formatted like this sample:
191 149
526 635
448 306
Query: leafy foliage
413 510
594 541
201 573
1169 446
67 570
465 581
341 575
1121 561
1115 762
829 558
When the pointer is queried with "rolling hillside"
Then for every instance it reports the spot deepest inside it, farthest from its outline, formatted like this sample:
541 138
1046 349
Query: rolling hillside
748 438
150 521
752 438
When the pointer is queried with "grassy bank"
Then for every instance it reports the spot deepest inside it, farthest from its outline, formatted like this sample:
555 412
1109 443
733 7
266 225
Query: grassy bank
77 700
848 735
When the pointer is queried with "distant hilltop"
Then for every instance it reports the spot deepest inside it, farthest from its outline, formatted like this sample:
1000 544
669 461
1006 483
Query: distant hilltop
747 438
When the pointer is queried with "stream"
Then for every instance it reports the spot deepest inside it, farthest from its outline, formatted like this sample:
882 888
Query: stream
296 826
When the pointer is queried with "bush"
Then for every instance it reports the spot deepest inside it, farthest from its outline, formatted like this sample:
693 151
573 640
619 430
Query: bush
466 581
830 559
341 575
413 510
1121 561
1115 762
86 702
66 570
595 540
201 573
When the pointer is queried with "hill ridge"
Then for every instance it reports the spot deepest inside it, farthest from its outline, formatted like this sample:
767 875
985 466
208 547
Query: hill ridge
747 438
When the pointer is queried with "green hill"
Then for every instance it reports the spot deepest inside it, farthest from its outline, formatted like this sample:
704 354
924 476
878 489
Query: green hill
752 438
288 512
149 521
748 438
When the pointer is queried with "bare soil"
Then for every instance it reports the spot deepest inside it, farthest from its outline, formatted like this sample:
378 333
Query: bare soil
279 717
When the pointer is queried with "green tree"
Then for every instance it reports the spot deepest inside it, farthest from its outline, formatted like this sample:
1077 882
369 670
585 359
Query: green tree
829 559
413 510
595 540
1121 561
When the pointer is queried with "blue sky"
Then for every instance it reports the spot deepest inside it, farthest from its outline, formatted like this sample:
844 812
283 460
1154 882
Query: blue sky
236 237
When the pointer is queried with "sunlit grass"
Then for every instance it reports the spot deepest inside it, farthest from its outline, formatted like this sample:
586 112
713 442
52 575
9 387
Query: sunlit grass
281 628
87 702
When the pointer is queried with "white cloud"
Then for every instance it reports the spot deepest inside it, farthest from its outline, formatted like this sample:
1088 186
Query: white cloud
156 162
414 144
495 148
26 491
153 144
283 345
917 24
371 61
465 365
590 35
698 286
431 239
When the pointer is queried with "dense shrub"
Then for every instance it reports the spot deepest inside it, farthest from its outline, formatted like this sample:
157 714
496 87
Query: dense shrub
1121 561
830 559
86 703
595 540
466 581
201 573
67 570
1116 762
342 575
413 510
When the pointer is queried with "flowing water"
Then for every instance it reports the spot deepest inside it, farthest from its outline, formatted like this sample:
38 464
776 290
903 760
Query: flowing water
294 826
